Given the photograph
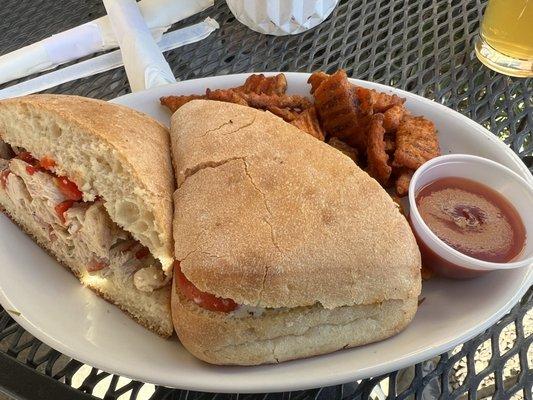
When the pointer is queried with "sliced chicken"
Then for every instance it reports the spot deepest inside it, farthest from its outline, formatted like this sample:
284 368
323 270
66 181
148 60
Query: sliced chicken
84 229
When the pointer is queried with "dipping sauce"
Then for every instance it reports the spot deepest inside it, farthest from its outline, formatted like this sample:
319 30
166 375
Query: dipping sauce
472 218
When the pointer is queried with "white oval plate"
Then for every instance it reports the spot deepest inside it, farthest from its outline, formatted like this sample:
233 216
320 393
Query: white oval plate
58 311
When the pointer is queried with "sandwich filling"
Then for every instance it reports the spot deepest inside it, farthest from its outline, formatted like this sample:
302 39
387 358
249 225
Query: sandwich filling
81 225
209 301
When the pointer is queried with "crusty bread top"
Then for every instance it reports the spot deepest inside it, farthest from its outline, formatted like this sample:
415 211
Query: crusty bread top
268 215
107 150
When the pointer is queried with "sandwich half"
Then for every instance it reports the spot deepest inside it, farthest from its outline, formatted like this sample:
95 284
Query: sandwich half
92 183
285 248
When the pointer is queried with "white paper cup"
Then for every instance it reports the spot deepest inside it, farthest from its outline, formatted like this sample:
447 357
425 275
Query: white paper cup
436 254
281 17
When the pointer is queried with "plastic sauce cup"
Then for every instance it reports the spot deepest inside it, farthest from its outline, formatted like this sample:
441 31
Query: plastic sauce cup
440 257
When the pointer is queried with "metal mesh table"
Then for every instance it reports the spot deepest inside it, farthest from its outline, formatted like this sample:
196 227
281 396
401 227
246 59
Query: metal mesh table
423 46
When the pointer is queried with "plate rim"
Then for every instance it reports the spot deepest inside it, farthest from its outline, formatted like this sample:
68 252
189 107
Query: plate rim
229 386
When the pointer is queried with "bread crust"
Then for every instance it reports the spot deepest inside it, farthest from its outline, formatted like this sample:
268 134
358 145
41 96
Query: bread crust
267 215
136 140
286 334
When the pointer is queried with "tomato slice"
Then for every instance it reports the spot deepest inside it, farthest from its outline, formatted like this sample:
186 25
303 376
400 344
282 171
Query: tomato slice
62 208
33 166
68 188
30 169
205 300
28 158
47 163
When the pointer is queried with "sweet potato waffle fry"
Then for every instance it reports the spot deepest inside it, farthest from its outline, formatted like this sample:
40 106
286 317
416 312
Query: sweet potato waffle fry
337 109
402 182
259 83
372 128
377 157
256 83
392 117
308 122
175 102
392 145
316 79
226 95
284 113
263 101
416 142
372 101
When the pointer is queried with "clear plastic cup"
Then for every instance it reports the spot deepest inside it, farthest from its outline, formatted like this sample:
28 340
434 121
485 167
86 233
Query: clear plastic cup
445 260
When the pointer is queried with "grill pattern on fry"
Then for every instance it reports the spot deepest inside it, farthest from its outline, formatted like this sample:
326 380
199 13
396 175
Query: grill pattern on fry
336 106
259 83
416 142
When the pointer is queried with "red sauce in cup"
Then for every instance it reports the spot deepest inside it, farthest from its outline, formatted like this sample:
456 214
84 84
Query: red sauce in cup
471 218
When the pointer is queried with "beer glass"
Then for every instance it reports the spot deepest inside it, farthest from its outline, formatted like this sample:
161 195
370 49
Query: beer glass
505 42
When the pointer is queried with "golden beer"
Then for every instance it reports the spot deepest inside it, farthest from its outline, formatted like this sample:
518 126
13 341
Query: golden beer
506 38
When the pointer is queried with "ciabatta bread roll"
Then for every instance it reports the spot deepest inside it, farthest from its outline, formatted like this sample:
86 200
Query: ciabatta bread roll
92 183
285 247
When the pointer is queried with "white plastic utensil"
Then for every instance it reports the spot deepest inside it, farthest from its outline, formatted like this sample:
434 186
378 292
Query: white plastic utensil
108 61
145 65
92 37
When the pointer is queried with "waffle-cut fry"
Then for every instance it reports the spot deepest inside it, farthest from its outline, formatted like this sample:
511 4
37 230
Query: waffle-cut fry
308 122
378 166
392 117
403 180
284 106
263 101
344 148
335 104
316 79
256 83
285 113
259 83
175 102
371 101
364 99
227 95
416 142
